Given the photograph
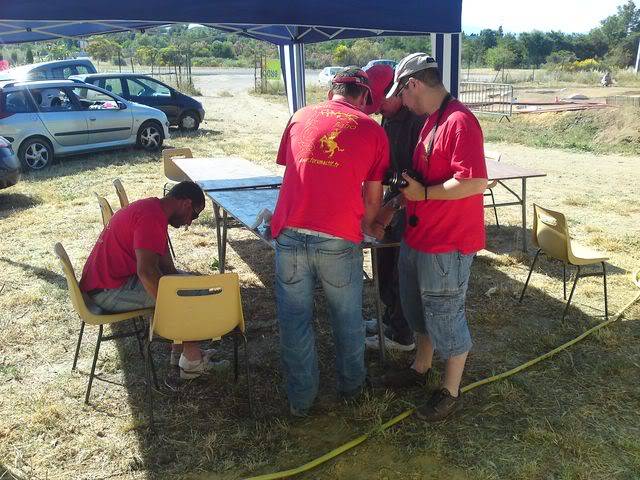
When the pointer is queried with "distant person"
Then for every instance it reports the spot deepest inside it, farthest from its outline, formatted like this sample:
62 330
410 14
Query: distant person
606 80
335 158
402 128
124 268
4 64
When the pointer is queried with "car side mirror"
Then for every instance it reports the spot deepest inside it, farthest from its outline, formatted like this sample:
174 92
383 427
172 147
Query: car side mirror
122 105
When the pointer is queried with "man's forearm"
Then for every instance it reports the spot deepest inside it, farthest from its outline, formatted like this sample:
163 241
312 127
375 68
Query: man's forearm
454 189
150 279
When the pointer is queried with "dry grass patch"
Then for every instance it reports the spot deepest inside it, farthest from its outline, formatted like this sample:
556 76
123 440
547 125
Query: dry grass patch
570 417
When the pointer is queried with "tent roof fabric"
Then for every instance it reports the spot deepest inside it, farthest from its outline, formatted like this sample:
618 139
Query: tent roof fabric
276 21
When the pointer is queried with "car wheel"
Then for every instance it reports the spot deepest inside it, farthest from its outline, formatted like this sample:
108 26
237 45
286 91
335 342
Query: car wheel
189 121
150 136
35 153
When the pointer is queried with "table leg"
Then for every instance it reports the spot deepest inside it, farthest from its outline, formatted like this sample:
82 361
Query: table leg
216 214
223 255
524 215
376 286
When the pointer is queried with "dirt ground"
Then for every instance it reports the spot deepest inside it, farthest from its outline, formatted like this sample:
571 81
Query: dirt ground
574 416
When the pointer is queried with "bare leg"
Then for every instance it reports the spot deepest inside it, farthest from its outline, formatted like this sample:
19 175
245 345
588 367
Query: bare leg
191 350
453 373
424 354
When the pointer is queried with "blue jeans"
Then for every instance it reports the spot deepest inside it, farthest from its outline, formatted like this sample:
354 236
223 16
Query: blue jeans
301 260
433 289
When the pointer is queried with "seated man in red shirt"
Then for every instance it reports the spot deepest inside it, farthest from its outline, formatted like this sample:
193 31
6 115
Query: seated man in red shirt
124 268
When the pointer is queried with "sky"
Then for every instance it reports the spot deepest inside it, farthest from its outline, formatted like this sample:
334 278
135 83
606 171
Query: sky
570 16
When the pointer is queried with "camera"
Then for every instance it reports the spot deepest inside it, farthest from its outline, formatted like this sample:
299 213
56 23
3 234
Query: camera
395 181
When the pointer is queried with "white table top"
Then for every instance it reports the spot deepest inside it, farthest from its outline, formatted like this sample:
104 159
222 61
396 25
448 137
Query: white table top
227 173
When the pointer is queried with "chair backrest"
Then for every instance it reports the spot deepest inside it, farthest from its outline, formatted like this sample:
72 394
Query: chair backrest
197 307
75 293
550 233
122 194
105 209
171 170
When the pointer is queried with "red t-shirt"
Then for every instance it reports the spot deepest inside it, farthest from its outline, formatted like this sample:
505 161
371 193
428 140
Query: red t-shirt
143 224
458 152
329 150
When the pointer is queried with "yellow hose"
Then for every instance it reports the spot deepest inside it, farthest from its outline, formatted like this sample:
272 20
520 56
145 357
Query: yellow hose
357 441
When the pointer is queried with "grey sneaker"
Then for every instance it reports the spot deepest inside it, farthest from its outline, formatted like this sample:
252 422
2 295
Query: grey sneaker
372 343
194 369
174 359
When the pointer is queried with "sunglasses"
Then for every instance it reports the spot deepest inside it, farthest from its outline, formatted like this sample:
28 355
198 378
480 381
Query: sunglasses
402 87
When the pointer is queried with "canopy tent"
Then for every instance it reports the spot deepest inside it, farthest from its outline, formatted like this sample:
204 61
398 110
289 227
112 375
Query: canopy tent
287 23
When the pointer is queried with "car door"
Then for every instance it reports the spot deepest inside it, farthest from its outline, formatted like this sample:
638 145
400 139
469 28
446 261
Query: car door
154 94
107 121
61 115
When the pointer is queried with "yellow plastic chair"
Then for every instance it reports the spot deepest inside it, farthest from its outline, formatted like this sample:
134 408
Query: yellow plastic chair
122 194
489 193
551 236
91 314
194 308
171 170
105 209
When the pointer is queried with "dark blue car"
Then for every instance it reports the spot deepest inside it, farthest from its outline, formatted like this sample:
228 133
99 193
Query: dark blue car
181 110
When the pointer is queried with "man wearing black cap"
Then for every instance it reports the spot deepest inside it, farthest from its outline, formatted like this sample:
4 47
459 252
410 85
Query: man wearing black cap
445 217
335 158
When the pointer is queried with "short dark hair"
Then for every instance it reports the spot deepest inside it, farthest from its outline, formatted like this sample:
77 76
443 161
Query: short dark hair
188 190
351 90
429 76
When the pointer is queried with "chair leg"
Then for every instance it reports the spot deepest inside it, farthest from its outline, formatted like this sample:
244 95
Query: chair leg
604 281
235 357
140 345
564 280
93 366
75 358
533 264
566 308
246 363
148 367
173 254
495 209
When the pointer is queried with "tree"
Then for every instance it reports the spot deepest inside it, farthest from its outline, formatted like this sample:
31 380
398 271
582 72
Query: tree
29 55
536 47
341 55
102 48
500 57
560 60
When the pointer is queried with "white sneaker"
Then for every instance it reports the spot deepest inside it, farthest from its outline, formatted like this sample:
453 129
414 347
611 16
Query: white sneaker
371 326
194 369
174 359
372 343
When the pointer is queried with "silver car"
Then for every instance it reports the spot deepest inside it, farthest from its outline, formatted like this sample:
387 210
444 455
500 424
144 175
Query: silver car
64 117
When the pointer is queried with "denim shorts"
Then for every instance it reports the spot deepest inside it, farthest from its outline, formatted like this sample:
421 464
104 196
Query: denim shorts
433 288
130 296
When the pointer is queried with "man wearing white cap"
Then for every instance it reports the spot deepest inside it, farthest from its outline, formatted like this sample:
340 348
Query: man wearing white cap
445 217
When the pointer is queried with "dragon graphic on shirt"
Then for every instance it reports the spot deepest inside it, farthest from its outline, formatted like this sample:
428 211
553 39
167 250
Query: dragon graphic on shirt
329 142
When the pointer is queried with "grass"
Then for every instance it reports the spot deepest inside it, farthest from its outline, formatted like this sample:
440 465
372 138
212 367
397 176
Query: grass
615 130
572 417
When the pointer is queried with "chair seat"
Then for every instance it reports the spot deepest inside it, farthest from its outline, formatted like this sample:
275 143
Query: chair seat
585 256
99 316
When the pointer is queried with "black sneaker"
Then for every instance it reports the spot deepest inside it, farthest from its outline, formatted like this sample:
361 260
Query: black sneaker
439 406
407 377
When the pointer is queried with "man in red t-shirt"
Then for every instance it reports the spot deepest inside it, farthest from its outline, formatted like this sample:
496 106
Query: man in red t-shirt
336 157
445 228
124 268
